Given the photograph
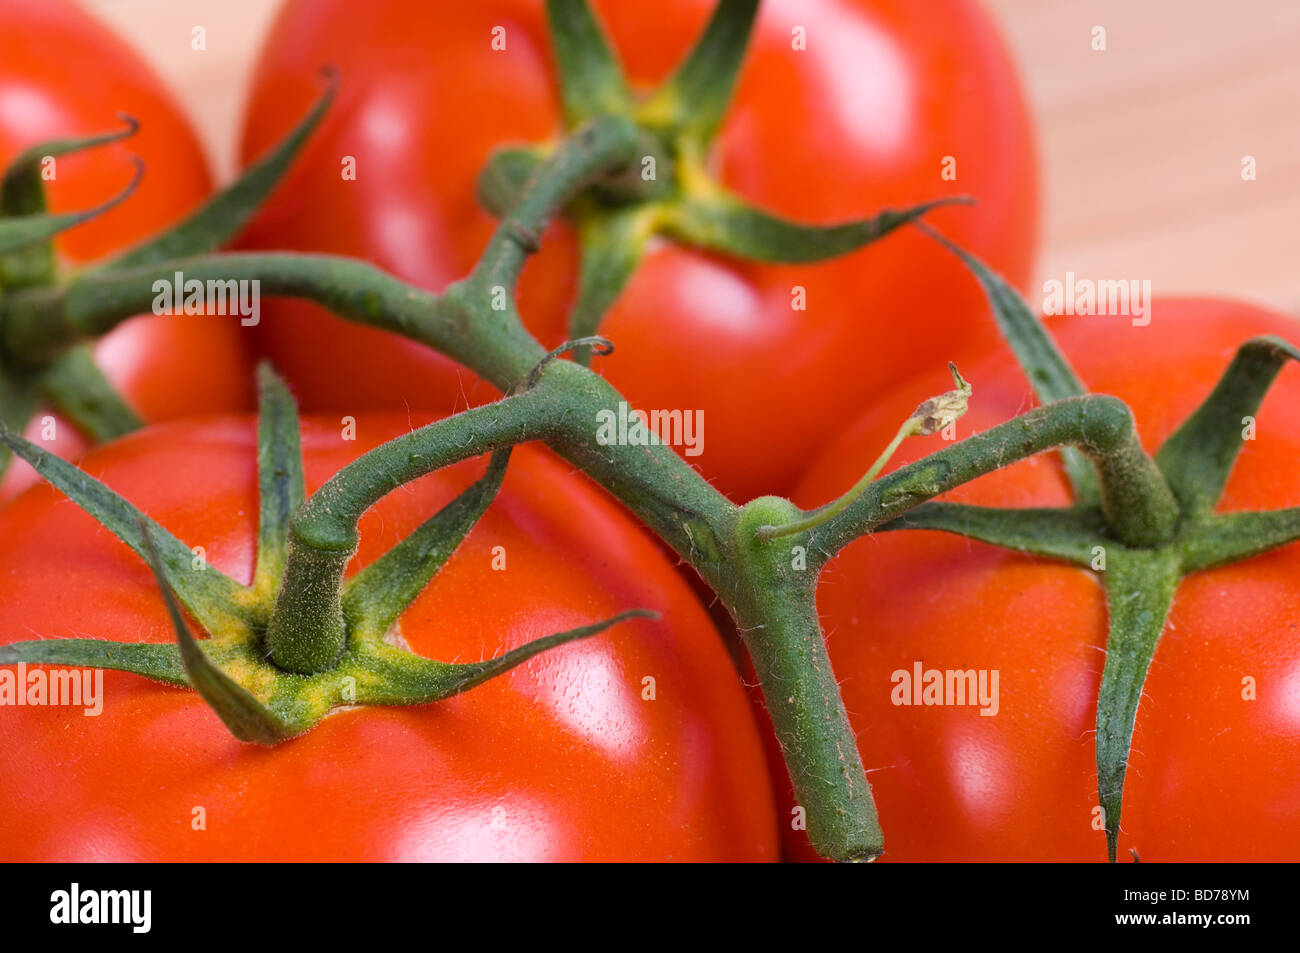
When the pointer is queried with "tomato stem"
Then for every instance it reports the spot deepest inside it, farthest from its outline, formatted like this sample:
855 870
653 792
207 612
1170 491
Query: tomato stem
308 631
1101 426
931 416
774 607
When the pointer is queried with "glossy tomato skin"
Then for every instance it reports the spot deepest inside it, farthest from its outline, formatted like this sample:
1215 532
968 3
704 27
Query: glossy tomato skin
561 759
63 75
1212 776
861 119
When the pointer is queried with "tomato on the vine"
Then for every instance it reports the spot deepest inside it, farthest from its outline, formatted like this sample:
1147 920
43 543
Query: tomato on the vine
65 75
842 109
634 745
1212 771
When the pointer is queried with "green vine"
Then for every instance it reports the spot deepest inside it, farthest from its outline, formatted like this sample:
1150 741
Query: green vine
279 650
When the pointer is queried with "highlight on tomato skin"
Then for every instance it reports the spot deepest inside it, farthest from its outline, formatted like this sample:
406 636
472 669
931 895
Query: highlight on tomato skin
1205 782
63 74
637 745
765 351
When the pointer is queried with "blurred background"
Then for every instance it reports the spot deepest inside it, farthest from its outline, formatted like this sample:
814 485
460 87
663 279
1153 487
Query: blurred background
1141 144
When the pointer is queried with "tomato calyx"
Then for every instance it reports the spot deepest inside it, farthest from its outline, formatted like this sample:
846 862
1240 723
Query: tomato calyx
1141 523
667 190
268 667
44 362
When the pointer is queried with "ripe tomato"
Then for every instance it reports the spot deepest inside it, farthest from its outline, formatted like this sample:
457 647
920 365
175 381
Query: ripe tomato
63 75
1212 776
564 758
861 119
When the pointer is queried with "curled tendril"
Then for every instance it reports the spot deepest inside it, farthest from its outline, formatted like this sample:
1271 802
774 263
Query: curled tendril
600 346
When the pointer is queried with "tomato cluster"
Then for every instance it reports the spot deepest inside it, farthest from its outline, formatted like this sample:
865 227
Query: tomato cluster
1205 782
640 745
768 353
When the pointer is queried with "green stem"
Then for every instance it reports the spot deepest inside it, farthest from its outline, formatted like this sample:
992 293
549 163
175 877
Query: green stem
1138 503
40 323
775 610
1139 506
600 147
307 631
816 518
930 417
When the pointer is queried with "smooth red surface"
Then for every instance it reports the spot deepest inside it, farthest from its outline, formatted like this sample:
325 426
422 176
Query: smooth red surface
1211 776
860 120
64 75
560 759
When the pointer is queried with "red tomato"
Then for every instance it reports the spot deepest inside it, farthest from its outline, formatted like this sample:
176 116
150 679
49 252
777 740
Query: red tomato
64 75
560 759
1212 776
861 119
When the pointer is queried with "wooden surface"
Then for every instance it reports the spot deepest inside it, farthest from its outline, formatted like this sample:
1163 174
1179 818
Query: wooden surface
1141 144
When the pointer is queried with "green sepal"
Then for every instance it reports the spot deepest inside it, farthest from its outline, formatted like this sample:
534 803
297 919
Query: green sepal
22 232
246 717
76 387
213 598
611 242
375 597
1140 586
1197 459
280 483
1058 533
17 405
591 79
402 678
1229 537
162 663
224 215
721 222
694 99
1048 371
21 189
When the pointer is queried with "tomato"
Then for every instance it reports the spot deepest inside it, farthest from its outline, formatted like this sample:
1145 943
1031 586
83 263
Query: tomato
1211 776
63 75
565 758
863 118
